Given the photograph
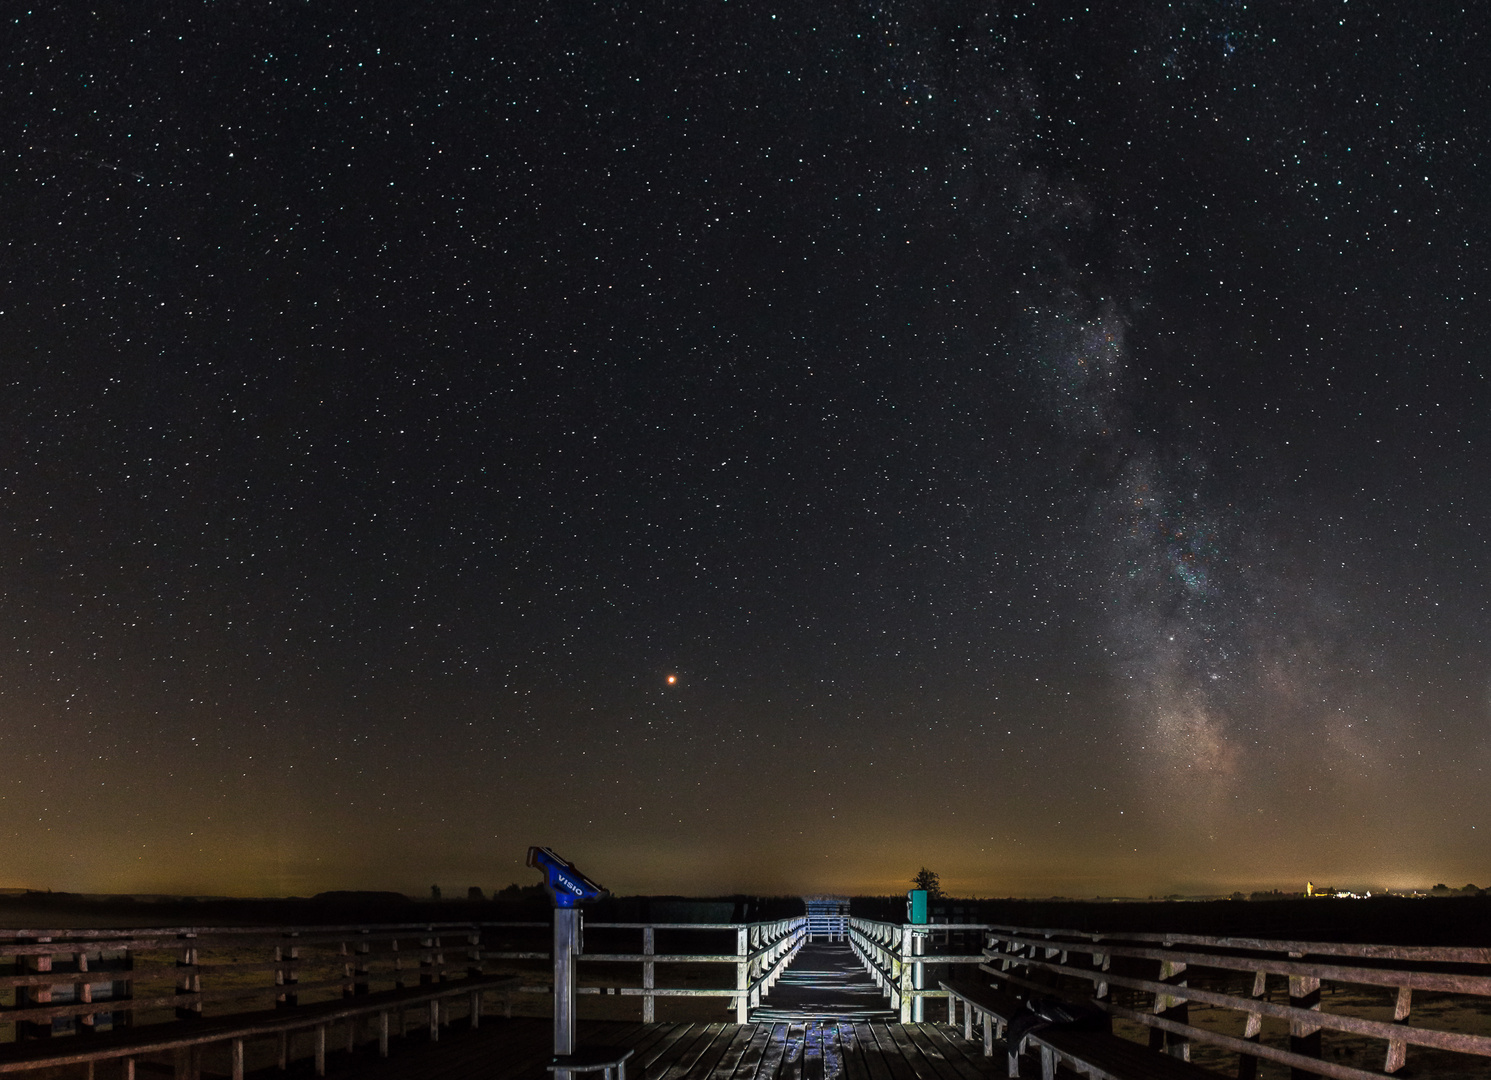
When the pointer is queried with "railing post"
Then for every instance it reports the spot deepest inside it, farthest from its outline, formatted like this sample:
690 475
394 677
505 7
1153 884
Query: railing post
742 975
1247 1064
360 983
86 1022
904 974
188 979
760 958
1397 1049
649 977
1304 1037
1102 961
918 978
35 995
286 974
1171 1008
124 990
188 1062
473 958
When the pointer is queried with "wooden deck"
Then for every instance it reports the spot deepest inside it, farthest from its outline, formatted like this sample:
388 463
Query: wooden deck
519 1049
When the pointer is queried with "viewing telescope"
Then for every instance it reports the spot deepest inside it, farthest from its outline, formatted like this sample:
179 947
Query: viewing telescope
569 888
563 879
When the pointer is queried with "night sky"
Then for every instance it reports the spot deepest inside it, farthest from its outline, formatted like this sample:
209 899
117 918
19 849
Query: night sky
1047 445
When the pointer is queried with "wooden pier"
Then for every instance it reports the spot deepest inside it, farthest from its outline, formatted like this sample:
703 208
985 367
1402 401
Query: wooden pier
422 1002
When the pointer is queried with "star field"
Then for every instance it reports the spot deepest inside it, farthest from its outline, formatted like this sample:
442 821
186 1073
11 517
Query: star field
1044 444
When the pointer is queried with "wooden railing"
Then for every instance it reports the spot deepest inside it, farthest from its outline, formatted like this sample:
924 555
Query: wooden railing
1163 974
762 951
895 955
134 992
131 993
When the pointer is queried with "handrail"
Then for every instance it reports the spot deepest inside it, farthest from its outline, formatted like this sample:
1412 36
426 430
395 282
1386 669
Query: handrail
1417 953
762 951
237 1030
898 970
1465 971
90 979
1444 981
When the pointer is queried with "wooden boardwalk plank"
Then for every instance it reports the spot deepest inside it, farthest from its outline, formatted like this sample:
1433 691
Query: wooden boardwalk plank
891 1054
928 1061
933 1042
875 1065
776 1050
745 1035
853 1052
838 1050
669 1034
664 1051
650 1036
712 1060
918 1064
678 1065
749 1065
791 1067
812 1051
973 1052
750 1061
833 1051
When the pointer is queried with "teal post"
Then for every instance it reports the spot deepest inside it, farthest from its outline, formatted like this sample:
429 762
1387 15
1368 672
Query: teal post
916 907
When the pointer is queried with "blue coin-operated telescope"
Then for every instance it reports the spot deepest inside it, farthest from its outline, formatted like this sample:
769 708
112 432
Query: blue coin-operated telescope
569 888
563 879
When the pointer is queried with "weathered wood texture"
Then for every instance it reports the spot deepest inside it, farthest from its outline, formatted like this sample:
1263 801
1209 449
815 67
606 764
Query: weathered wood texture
518 1049
1169 973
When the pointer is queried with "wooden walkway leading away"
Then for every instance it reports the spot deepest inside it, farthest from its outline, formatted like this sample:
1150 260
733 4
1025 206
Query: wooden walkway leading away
519 1049
825 981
